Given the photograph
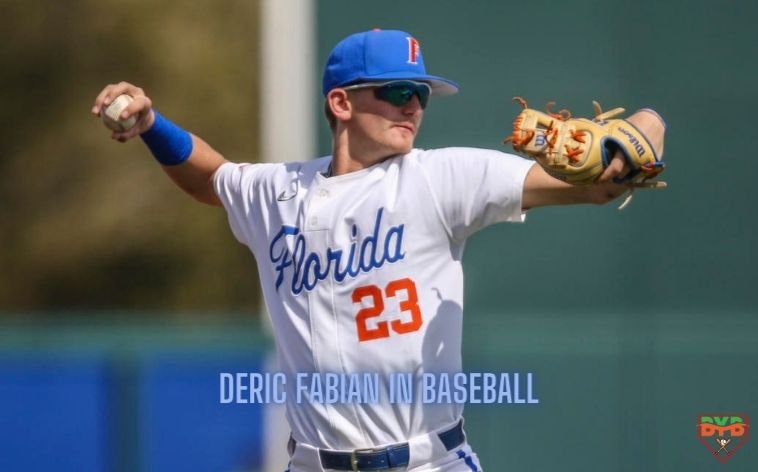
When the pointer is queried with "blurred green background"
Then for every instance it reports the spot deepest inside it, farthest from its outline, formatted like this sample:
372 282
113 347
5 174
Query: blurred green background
633 322
89 224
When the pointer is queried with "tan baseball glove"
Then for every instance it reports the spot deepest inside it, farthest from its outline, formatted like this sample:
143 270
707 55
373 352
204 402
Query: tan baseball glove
577 150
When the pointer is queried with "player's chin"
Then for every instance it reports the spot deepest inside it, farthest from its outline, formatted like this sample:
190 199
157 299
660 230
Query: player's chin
403 144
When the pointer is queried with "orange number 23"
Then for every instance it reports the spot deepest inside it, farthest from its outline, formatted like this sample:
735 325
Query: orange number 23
409 304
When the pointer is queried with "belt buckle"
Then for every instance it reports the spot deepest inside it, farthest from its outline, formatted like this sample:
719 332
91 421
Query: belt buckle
354 455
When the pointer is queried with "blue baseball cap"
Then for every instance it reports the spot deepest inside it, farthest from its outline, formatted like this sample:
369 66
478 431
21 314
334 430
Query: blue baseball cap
378 56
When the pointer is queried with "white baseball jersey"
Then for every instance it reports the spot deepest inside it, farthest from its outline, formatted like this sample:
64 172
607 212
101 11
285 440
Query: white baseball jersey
362 273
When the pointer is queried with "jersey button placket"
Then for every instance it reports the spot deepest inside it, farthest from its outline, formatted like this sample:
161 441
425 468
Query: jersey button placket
317 201
326 352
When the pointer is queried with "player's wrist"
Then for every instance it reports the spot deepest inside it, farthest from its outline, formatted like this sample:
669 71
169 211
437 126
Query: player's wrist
169 143
149 120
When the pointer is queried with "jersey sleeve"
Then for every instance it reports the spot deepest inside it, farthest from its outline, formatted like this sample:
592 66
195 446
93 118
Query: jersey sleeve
474 188
234 185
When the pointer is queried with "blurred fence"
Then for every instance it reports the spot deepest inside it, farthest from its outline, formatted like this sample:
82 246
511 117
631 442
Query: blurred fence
127 397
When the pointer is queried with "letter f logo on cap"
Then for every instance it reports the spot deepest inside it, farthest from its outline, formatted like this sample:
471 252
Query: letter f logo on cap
380 56
413 49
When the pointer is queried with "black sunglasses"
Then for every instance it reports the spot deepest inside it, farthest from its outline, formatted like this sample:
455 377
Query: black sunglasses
397 92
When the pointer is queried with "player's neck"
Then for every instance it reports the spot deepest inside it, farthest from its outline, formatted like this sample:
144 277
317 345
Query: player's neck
353 155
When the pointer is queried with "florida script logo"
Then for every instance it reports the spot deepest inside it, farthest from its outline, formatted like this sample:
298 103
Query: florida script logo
723 434
307 268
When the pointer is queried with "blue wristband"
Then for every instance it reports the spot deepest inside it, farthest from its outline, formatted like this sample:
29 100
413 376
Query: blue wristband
170 144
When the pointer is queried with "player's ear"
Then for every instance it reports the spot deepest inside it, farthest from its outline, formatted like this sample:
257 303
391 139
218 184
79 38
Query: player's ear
339 104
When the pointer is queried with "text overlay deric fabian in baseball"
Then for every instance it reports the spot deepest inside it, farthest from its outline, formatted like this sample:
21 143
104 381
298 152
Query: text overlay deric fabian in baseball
360 388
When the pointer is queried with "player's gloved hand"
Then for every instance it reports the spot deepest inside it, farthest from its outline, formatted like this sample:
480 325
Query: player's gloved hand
595 152
141 106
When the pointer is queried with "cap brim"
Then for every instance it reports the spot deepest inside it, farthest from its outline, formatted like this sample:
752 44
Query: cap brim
442 86
439 85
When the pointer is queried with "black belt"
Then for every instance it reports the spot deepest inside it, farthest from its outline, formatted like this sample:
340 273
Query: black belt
396 455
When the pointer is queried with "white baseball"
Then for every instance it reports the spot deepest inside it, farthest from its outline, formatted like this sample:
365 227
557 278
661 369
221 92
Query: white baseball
112 112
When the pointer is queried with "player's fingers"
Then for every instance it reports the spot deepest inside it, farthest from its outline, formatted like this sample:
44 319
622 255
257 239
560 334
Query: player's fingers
617 168
119 136
110 92
144 122
100 99
107 95
139 106
124 136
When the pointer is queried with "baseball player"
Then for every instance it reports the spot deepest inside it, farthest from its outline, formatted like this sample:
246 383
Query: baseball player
359 252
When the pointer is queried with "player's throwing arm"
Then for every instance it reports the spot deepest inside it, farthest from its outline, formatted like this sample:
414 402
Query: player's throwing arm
190 162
